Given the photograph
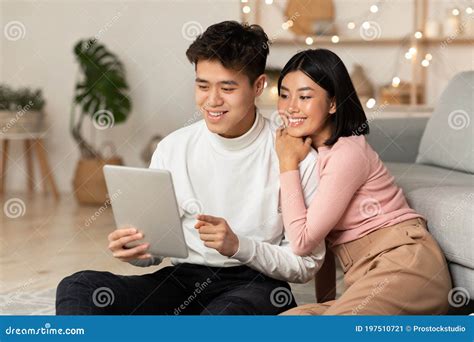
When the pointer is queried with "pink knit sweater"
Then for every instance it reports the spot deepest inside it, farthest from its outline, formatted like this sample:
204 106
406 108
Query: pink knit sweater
356 195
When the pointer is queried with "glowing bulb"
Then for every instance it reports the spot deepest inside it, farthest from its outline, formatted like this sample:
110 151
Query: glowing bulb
244 1
469 10
374 8
246 9
396 81
418 35
408 55
428 57
455 11
290 23
285 26
309 41
425 63
269 2
335 39
370 103
366 25
351 25
412 50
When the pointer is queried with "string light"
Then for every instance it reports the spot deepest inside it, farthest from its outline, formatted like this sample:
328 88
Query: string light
351 25
366 25
335 39
455 11
370 103
309 41
408 55
269 2
469 10
425 63
285 25
246 9
428 57
244 1
374 8
395 81
418 35
412 50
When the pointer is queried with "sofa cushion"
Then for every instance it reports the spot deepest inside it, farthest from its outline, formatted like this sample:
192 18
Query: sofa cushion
450 216
462 277
413 176
448 139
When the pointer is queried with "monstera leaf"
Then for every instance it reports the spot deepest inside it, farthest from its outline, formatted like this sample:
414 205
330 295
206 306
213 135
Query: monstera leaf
101 91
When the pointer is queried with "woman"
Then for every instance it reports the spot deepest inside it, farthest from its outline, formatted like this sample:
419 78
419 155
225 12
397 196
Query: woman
391 264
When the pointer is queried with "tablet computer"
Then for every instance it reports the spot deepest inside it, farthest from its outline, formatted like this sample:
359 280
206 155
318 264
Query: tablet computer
145 199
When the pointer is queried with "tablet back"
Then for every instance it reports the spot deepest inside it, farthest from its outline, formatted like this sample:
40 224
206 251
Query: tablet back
145 199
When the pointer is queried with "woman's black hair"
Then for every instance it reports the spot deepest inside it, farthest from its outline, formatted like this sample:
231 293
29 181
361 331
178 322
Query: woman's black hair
326 69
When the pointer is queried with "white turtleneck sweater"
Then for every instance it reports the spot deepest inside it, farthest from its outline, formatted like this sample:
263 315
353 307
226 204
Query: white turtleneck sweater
238 180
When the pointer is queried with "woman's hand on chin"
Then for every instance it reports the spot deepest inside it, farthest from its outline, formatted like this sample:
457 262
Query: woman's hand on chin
290 150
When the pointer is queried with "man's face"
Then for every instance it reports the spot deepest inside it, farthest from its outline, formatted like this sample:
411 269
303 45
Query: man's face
226 98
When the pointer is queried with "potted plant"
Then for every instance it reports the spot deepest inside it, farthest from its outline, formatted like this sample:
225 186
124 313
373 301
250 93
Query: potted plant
21 111
100 95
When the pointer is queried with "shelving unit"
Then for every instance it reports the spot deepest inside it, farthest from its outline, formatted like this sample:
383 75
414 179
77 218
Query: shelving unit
418 72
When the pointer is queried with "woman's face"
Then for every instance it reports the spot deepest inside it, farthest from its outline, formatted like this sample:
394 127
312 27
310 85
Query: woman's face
304 106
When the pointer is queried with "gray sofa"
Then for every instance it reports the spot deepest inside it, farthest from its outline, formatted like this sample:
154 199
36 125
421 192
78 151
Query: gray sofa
439 182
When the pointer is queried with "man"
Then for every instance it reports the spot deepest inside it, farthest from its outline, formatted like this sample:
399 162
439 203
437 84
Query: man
225 167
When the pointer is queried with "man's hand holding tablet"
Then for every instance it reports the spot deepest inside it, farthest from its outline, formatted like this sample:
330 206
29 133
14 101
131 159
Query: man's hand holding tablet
122 236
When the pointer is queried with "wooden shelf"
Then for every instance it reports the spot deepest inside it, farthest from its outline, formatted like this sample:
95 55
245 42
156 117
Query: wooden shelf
454 41
357 41
342 41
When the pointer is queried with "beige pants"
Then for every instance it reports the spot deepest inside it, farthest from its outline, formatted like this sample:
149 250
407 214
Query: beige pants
397 270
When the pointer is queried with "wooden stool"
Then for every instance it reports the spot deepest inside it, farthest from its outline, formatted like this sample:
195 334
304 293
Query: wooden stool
33 142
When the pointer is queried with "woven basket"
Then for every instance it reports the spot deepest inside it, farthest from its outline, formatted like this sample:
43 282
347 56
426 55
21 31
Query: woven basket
89 182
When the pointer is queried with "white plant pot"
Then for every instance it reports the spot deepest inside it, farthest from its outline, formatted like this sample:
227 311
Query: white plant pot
21 121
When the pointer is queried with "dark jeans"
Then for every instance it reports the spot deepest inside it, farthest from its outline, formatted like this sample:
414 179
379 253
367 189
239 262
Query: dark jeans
183 289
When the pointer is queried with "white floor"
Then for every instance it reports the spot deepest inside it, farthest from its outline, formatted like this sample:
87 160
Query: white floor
50 240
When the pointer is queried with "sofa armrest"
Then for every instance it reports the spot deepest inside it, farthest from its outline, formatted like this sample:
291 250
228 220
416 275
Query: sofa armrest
397 139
